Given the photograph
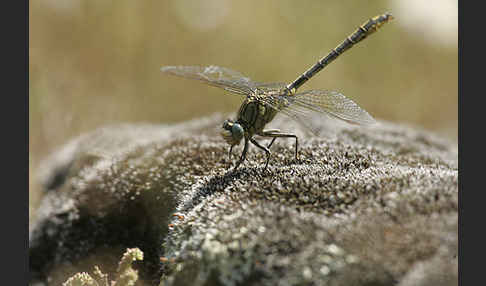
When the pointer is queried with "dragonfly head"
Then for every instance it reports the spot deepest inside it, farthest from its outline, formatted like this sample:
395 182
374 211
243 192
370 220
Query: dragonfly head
232 132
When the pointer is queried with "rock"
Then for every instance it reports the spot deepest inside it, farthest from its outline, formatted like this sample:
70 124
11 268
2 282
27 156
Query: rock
360 206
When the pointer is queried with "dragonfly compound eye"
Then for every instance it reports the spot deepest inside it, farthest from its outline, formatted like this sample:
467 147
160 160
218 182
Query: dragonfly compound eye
237 132
232 132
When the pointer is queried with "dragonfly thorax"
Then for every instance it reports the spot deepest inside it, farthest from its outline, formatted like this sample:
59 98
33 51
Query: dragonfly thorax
232 132
254 114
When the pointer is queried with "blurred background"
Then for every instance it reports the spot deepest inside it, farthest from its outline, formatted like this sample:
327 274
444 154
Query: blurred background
97 62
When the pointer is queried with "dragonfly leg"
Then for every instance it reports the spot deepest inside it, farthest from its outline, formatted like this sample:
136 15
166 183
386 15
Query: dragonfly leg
273 140
264 149
272 131
275 135
229 153
243 155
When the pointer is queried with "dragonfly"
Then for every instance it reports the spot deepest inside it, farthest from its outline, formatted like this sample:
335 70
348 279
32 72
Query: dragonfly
265 100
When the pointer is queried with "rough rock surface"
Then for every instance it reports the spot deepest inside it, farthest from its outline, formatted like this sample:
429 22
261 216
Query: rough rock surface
360 206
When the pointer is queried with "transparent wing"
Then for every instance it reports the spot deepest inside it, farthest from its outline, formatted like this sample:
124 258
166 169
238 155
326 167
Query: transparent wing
303 106
270 86
224 78
300 114
331 103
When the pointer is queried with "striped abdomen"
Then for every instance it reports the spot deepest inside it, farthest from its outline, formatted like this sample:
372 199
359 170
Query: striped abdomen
360 34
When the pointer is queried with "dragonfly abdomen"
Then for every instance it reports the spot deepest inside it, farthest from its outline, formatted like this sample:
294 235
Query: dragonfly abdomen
368 28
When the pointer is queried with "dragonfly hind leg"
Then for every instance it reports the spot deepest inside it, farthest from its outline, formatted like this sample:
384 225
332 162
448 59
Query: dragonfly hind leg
275 133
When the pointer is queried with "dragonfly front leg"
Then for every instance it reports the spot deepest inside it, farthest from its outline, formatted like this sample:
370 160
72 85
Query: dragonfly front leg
277 134
229 153
243 155
264 149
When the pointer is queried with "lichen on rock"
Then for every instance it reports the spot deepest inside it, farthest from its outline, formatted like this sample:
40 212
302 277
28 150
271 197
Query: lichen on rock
360 206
